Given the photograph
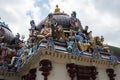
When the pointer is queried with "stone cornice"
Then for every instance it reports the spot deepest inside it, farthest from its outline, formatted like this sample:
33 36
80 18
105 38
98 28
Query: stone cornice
68 57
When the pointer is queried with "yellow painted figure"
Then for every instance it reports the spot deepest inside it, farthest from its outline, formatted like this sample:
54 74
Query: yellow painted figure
57 9
83 46
60 33
45 32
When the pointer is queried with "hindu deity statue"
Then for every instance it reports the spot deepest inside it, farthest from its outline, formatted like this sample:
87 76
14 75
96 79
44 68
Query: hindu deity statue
51 22
33 27
70 41
50 43
75 23
75 49
59 34
57 9
79 35
45 32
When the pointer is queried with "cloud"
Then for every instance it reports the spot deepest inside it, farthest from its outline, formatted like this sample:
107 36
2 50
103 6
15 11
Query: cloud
18 13
108 6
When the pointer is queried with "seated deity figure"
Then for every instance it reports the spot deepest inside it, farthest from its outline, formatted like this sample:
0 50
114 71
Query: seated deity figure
57 9
45 32
59 35
75 23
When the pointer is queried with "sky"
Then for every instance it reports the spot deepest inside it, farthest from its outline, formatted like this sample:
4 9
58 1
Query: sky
102 16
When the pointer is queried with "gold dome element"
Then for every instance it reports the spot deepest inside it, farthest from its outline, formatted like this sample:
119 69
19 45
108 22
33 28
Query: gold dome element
57 9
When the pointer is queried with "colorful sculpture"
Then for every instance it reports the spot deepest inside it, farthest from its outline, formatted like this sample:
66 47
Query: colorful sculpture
60 33
45 32
50 43
75 23
70 41
57 9
75 49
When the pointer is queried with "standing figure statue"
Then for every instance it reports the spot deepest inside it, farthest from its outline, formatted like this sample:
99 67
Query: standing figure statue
70 41
32 23
50 43
75 23
51 22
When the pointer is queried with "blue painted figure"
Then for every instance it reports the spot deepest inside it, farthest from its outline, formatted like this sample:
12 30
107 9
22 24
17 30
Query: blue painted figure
50 43
75 49
70 42
78 36
96 52
113 58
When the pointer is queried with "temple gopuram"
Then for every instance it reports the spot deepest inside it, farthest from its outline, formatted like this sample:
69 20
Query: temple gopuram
58 48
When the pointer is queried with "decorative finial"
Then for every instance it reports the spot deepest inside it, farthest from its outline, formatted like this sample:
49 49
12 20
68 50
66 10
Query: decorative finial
57 9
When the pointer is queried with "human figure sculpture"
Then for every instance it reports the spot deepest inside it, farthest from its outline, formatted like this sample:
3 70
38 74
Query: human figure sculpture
78 36
57 9
102 40
51 22
45 32
90 36
75 23
85 31
16 58
50 43
96 52
32 29
75 49
59 35
32 23
70 41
